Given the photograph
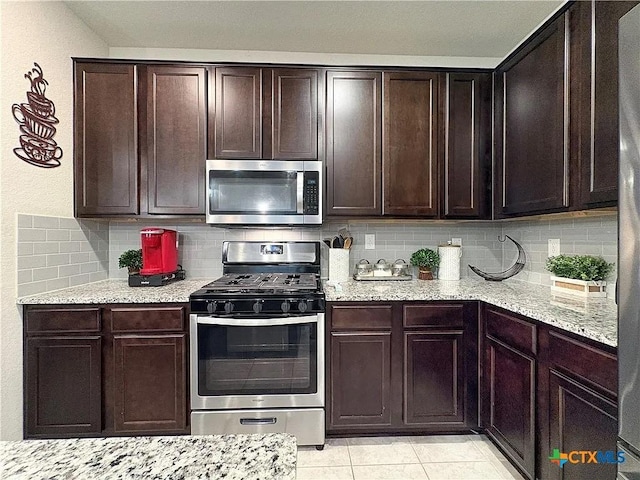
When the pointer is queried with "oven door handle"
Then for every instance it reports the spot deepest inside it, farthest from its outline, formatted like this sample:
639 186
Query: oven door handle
255 322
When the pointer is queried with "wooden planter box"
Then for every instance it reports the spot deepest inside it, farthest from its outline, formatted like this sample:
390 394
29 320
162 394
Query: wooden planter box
578 288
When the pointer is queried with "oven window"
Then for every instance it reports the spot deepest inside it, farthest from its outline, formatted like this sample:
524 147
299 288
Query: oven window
263 360
249 191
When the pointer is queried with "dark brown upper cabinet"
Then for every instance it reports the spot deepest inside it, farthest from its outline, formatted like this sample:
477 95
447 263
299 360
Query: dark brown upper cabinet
264 113
105 139
467 146
174 150
410 143
140 139
531 134
354 141
594 100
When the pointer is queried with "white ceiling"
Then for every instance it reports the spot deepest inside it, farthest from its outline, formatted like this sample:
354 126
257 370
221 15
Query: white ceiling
418 28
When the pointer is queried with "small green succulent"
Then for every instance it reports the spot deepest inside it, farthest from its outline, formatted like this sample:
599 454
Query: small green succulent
131 259
425 258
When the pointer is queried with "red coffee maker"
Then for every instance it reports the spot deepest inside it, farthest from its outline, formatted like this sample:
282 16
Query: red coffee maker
159 251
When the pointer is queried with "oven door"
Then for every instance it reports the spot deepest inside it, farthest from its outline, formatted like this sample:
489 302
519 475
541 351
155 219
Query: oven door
263 192
257 362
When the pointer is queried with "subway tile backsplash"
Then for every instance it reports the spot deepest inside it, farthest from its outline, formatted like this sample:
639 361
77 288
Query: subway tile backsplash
61 252
58 252
585 236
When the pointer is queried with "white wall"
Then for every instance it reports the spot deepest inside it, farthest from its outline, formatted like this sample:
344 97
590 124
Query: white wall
254 56
50 34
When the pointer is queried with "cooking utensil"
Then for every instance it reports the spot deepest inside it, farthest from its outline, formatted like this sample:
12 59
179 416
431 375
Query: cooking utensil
347 242
337 242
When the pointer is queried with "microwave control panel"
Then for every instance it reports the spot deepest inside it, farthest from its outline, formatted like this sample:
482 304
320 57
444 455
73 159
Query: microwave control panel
311 193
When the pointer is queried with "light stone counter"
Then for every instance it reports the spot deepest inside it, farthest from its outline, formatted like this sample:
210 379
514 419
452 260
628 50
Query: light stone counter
594 319
232 457
117 291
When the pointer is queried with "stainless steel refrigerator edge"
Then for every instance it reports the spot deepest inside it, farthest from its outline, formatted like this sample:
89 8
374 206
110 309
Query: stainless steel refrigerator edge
629 246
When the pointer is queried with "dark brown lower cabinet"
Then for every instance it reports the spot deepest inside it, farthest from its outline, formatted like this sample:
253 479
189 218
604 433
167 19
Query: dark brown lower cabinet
580 420
149 383
434 378
546 389
63 386
401 367
510 385
578 406
105 370
360 382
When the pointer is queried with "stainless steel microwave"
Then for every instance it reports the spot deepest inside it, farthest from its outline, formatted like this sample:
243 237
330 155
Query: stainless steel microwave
264 192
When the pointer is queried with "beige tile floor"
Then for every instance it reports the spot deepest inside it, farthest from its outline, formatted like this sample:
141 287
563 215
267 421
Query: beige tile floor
440 457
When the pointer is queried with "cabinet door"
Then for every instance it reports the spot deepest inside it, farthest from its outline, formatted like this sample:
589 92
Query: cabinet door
238 118
410 143
63 386
360 379
105 139
149 383
434 378
596 89
353 143
510 393
176 139
295 114
531 146
580 420
467 155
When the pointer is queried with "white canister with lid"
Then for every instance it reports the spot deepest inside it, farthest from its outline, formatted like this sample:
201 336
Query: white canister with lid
449 262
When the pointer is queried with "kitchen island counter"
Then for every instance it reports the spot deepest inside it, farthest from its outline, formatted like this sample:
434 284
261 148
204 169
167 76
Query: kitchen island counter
233 457
593 319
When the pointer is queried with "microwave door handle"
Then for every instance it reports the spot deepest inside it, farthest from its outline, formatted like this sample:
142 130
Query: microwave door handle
300 192
255 322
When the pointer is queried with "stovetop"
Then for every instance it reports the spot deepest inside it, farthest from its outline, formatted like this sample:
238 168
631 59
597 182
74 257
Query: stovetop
270 279
264 282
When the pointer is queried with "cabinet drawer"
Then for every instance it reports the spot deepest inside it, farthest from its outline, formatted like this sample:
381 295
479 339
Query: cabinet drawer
152 319
60 320
433 315
355 317
512 331
587 362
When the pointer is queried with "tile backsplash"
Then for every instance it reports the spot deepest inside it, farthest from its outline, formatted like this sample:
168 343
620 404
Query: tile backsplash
588 235
201 245
57 252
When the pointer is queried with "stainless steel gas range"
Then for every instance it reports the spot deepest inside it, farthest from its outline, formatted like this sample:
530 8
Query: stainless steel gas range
257 343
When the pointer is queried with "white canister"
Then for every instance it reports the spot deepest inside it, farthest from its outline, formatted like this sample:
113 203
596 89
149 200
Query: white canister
449 262
338 265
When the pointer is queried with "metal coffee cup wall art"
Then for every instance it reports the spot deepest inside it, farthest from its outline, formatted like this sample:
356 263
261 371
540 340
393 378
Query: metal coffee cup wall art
37 124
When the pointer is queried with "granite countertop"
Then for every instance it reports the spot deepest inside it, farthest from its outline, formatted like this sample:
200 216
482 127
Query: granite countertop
594 319
117 291
233 457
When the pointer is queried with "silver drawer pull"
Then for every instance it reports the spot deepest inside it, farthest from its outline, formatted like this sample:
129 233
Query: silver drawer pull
258 421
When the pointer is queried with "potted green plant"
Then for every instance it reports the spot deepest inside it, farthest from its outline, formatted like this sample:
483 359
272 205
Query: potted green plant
131 259
582 275
426 260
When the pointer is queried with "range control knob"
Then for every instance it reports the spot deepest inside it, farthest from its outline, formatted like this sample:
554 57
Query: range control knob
303 306
211 306
257 307
285 306
228 307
